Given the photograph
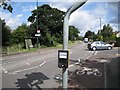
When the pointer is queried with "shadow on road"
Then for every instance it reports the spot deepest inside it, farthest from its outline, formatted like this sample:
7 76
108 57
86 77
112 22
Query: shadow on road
113 74
30 81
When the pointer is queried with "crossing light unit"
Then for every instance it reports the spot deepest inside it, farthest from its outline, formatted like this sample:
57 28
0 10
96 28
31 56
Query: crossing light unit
63 58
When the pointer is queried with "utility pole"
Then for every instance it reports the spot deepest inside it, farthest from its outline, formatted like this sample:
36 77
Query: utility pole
100 25
65 38
101 37
37 21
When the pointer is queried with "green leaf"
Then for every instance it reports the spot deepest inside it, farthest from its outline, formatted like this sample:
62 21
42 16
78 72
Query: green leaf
10 8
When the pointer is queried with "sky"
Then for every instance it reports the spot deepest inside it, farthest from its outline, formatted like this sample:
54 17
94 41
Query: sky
87 17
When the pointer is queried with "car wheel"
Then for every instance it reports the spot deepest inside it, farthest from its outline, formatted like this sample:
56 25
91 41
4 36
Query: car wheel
94 48
109 48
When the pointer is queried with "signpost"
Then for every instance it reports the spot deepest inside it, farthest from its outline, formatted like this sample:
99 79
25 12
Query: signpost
38 31
37 35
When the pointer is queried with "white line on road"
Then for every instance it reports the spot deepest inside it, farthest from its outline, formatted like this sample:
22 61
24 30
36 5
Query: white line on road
89 51
70 65
1 58
28 63
92 52
95 52
42 63
28 68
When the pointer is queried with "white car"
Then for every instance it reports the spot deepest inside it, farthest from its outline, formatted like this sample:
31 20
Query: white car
99 45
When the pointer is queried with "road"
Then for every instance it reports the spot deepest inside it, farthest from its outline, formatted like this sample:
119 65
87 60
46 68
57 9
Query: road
38 69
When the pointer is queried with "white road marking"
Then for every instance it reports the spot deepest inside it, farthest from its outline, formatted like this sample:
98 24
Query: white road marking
42 63
5 71
28 63
95 52
92 52
28 68
70 65
89 51
1 59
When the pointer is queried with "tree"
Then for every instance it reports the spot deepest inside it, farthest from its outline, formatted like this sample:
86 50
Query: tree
89 34
95 37
106 32
19 34
73 33
6 32
49 21
6 6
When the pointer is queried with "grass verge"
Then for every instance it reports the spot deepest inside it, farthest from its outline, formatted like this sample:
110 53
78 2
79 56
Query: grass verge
15 49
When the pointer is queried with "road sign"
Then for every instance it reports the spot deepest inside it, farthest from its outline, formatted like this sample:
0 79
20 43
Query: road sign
37 35
38 31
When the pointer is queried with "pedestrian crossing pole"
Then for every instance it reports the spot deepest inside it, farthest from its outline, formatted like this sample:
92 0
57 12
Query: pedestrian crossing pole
65 38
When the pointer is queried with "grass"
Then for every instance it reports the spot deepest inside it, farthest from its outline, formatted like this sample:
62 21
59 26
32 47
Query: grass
18 49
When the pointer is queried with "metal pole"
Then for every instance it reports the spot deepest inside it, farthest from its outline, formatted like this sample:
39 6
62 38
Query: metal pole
65 38
100 23
100 26
37 22
100 30
37 14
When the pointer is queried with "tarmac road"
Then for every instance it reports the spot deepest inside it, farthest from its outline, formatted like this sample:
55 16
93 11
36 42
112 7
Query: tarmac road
107 62
37 70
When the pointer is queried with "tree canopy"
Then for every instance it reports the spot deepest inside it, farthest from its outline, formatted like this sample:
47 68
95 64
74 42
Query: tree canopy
18 35
50 23
89 34
6 6
106 34
73 33
6 32
46 19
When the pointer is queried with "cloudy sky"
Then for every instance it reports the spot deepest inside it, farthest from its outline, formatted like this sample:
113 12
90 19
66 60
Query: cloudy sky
85 18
